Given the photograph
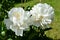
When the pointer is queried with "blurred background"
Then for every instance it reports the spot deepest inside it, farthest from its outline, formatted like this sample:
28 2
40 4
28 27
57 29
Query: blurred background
6 5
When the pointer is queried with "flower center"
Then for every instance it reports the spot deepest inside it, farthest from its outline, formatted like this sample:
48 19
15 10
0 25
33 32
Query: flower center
17 15
39 19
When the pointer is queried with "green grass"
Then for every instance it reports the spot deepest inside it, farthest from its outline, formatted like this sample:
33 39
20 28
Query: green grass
55 32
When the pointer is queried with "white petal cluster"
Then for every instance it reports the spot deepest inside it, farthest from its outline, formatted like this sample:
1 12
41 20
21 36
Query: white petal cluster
17 20
42 14
20 20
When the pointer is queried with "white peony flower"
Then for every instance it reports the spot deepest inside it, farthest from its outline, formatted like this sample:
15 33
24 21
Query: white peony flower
17 20
42 14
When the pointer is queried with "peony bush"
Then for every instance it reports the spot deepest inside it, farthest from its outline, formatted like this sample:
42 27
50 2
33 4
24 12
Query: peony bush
41 15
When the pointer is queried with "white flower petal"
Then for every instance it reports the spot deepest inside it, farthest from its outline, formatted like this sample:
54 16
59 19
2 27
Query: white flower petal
8 23
19 32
